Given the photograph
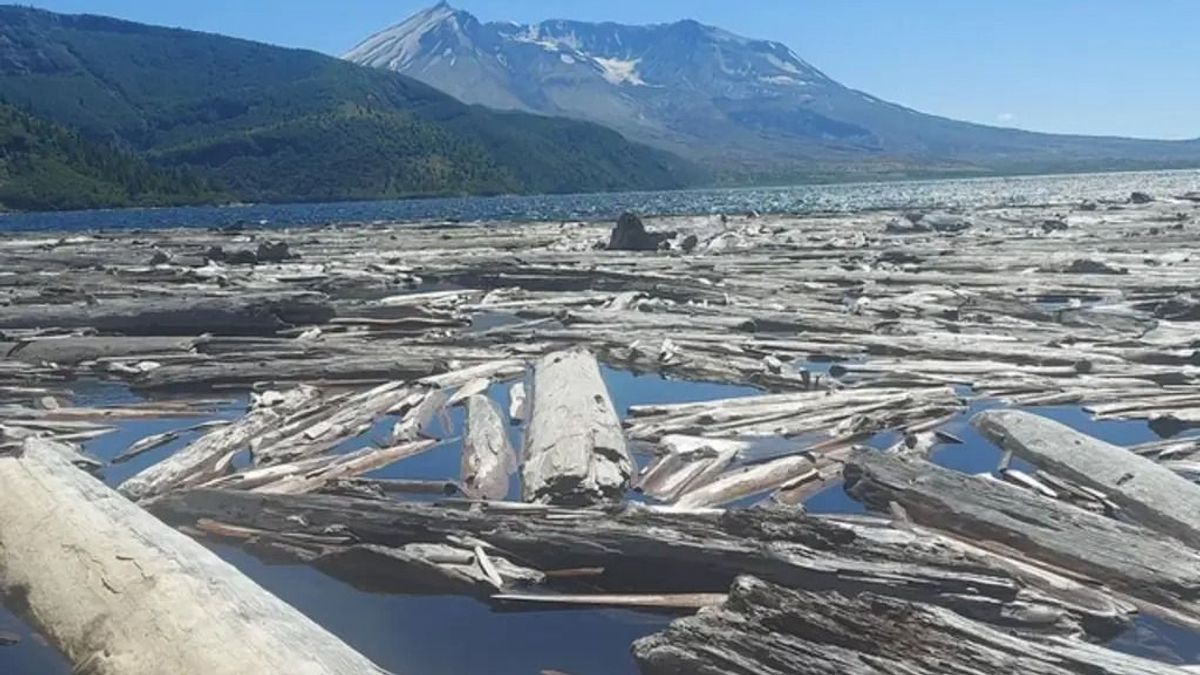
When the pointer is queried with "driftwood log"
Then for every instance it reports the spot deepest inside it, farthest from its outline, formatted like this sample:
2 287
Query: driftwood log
242 314
1163 574
693 552
122 594
1147 493
765 629
575 448
488 459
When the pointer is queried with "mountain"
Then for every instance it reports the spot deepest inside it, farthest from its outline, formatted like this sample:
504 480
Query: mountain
747 105
275 124
44 167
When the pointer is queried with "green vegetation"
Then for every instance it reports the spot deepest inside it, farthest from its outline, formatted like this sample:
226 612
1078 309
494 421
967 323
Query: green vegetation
45 167
274 124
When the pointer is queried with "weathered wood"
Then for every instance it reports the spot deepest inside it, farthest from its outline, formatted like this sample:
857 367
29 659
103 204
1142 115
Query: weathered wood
696 551
122 594
765 629
749 480
243 314
487 457
207 457
1157 570
1145 491
575 449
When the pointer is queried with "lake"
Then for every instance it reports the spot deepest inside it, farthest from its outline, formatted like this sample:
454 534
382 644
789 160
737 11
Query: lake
841 198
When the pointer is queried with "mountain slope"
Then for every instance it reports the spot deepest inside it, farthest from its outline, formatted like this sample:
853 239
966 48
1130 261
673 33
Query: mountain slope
281 124
45 167
720 98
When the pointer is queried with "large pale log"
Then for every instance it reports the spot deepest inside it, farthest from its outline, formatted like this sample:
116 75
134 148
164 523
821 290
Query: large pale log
120 593
765 629
575 449
1148 493
1145 564
487 457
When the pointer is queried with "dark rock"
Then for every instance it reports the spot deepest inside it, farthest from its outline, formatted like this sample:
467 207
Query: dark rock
1193 196
631 235
689 243
9 639
241 257
215 253
159 258
1086 266
1140 198
1053 225
275 251
1088 205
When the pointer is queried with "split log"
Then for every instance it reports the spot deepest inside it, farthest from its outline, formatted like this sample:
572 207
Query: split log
1163 573
749 480
704 551
688 462
1147 492
122 594
575 449
207 457
767 629
487 458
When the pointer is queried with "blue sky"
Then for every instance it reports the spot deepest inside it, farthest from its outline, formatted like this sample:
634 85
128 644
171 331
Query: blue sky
1115 67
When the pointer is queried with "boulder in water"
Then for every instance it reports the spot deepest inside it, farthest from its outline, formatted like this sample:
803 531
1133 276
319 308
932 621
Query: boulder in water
631 235
1140 198
274 251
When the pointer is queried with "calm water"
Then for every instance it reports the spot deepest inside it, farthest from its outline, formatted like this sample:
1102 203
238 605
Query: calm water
1025 190
420 634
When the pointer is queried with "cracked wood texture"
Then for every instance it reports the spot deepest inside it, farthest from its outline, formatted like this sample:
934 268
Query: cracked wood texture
120 593
764 629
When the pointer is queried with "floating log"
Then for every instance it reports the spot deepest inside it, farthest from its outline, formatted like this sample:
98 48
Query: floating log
1160 572
242 314
575 449
122 594
487 457
1147 492
703 551
767 629
207 457
750 480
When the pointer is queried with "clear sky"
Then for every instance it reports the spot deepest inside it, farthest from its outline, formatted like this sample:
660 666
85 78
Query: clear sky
1120 67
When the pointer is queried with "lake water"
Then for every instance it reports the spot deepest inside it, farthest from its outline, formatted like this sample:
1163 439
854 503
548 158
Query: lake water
432 634
1025 190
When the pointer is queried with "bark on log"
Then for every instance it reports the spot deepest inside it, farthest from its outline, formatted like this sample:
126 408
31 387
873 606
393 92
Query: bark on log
1147 492
487 458
122 594
575 449
1140 562
765 629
